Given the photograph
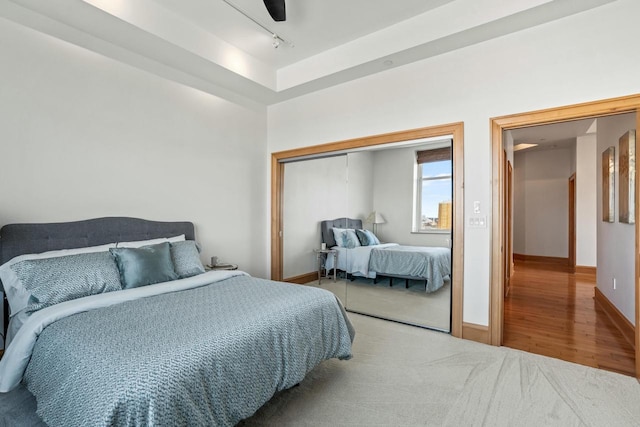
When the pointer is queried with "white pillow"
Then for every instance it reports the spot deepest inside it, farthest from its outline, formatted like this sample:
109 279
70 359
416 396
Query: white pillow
17 294
140 243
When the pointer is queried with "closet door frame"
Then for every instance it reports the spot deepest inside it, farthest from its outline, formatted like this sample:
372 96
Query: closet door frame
455 130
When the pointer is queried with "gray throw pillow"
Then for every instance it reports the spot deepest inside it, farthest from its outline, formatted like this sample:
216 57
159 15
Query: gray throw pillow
367 238
54 280
145 265
186 259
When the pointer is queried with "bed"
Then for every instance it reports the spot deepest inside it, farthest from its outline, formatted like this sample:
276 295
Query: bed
429 264
206 349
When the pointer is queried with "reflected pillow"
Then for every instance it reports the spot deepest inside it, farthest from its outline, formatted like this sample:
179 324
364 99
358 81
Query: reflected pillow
349 239
186 259
337 235
54 280
367 238
350 236
144 266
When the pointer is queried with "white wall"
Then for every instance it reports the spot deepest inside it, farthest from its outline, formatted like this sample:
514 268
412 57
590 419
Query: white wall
317 190
472 85
314 190
586 200
541 202
519 205
83 136
616 240
360 185
393 198
573 154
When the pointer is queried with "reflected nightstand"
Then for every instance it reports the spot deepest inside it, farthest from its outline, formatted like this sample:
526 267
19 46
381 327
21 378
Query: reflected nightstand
321 255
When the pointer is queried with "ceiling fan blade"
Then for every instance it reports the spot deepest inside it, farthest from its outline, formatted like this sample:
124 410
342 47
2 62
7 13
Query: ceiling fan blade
276 9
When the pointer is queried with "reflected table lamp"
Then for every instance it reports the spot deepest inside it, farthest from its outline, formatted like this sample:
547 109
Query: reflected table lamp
375 218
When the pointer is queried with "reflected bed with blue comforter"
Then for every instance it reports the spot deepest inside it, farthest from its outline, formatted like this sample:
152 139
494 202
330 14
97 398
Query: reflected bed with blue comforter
430 263
367 257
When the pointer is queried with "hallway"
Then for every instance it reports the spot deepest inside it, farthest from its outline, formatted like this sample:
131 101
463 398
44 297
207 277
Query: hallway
552 312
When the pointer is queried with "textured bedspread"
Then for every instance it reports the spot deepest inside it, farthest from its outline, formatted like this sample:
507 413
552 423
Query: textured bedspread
211 355
430 263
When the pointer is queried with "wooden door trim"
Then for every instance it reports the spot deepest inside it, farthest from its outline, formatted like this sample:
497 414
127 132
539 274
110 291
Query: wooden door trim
277 187
594 109
637 256
455 129
572 223
507 221
510 228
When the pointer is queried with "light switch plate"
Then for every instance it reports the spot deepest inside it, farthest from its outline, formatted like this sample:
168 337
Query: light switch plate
478 222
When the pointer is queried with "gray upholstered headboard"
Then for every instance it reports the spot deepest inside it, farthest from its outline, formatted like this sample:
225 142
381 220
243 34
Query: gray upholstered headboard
327 233
19 239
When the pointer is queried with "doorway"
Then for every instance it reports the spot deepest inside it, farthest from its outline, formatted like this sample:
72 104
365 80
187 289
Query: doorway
551 310
604 108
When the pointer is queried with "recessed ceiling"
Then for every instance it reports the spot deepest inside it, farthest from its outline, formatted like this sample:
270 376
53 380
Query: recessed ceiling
313 26
208 45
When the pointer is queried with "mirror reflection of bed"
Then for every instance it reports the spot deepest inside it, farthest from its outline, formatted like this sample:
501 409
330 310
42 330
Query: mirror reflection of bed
341 192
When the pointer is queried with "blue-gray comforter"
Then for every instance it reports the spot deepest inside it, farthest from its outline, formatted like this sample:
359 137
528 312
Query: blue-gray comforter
430 263
205 356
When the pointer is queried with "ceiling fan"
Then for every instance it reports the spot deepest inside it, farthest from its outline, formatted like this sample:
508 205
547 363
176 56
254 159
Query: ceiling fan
276 9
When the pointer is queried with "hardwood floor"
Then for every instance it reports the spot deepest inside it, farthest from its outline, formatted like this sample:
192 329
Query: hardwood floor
552 312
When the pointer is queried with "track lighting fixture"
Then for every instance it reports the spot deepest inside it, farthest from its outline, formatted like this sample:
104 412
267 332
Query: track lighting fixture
277 39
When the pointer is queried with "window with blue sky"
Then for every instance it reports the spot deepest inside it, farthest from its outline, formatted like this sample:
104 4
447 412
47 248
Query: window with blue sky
434 191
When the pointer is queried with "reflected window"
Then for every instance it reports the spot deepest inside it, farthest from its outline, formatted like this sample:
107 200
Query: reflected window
434 207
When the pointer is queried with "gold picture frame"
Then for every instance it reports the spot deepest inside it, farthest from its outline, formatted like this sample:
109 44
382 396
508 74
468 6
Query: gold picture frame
608 184
627 172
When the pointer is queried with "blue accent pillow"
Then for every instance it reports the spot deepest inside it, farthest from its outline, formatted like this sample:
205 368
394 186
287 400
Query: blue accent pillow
349 239
373 239
367 238
54 280
145 265
186 260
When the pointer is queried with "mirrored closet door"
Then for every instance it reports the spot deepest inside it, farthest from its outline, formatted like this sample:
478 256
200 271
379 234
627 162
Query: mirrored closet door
393 246
314 190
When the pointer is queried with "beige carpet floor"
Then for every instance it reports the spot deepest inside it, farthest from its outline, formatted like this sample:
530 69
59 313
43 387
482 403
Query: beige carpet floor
412 305
406 376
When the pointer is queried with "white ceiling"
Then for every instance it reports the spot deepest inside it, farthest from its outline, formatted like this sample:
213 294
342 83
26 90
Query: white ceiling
313 26
208 45
553 136
556 135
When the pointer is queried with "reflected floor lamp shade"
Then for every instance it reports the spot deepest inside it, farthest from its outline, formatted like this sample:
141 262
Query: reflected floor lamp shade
375 218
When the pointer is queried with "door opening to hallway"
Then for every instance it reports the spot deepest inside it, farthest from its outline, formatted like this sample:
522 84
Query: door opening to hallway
558 248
